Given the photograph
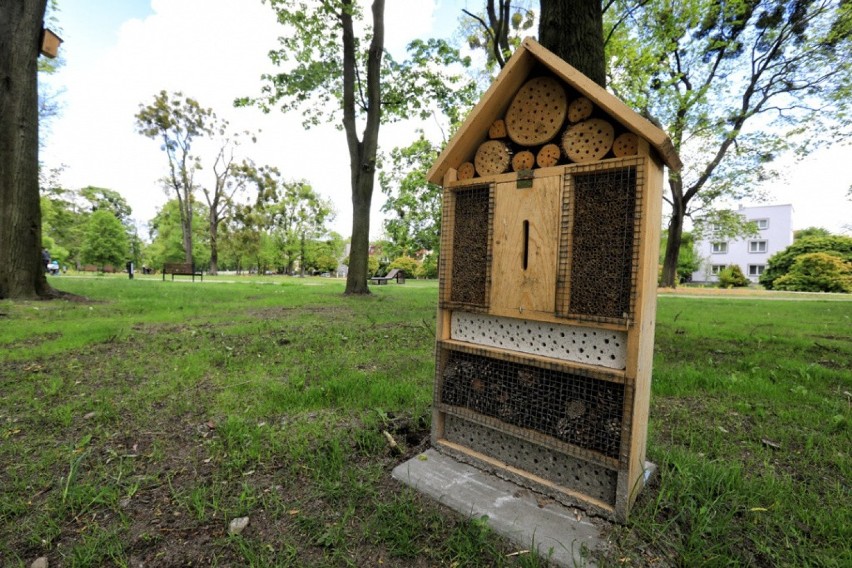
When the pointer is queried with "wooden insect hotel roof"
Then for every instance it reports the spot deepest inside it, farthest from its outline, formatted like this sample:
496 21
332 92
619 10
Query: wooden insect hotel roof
530 76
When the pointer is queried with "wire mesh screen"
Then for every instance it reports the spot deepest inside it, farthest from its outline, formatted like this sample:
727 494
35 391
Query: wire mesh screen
470 247
576 409
599 259
565 470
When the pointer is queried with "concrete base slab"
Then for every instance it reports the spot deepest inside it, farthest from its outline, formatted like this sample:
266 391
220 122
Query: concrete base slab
563 534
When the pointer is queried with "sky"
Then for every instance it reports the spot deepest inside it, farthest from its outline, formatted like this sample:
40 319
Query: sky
119 54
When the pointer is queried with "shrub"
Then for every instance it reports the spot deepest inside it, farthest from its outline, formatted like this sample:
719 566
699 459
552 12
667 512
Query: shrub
732 277
406 264
372 264
817 272
781 262
429 267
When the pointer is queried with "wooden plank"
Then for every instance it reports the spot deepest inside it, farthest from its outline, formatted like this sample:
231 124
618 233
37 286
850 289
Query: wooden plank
526 240
640 339
442 327
490 107
610 104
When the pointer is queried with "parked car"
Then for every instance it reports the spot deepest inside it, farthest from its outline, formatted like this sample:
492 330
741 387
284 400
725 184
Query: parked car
53 268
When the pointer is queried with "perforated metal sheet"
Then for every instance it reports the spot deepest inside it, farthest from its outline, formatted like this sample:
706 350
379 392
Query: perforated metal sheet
573 343
590 479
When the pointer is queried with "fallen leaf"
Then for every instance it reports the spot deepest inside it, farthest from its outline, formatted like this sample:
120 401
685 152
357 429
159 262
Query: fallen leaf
770 444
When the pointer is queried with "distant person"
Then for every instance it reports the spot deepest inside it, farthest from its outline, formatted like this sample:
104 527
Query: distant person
45 258
130 269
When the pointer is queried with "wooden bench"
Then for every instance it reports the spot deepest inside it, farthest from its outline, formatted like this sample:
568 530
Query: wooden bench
182 269
395 274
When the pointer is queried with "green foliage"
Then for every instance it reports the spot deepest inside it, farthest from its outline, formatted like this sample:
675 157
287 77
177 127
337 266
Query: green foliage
688 260
415 202
100 198
105 241
811 232
727 80
498 31
407 264
429 267
817 272
311 52
732 277
781 262
176 122
372 265
167 236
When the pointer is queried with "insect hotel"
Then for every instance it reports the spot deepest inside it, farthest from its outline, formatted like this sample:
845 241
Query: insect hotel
548 271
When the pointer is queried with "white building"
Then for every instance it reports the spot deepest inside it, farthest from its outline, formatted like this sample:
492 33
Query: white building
775 228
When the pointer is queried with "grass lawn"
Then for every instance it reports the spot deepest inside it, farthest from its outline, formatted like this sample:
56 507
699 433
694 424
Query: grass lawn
136 425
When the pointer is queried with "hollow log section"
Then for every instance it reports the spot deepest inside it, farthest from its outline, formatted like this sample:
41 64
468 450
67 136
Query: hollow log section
544 130
492 158
497 130
466 171
524 160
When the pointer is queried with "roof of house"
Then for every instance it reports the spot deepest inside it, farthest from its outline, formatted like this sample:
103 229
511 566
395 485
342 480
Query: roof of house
517 70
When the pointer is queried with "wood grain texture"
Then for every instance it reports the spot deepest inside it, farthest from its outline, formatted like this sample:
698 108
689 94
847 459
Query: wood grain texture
514 289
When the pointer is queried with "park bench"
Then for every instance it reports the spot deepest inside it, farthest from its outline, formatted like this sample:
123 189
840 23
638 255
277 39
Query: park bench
395 274
182 269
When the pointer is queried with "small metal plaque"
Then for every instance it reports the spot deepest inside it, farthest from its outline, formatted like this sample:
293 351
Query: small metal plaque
525 179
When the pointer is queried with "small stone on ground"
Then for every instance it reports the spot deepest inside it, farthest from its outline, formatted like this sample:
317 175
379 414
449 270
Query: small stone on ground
238 525
39 562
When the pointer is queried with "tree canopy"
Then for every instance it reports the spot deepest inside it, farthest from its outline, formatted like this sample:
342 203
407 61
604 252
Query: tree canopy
328 70
105 242
735 84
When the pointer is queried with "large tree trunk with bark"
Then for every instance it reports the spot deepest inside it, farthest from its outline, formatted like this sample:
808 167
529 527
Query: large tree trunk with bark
356 277
675 234
21 266
362 154
573 30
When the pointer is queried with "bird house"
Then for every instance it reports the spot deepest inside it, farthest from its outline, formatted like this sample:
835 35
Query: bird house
50 43
548 270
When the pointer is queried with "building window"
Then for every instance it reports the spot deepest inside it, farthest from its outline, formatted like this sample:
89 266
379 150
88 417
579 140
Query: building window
756 269
762 223
757 246
720 248
716 269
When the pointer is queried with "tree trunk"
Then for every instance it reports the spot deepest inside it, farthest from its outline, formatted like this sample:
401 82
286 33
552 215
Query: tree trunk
362 154
670 277
21 267
302 255
356 278
186 227
213 269
573 30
